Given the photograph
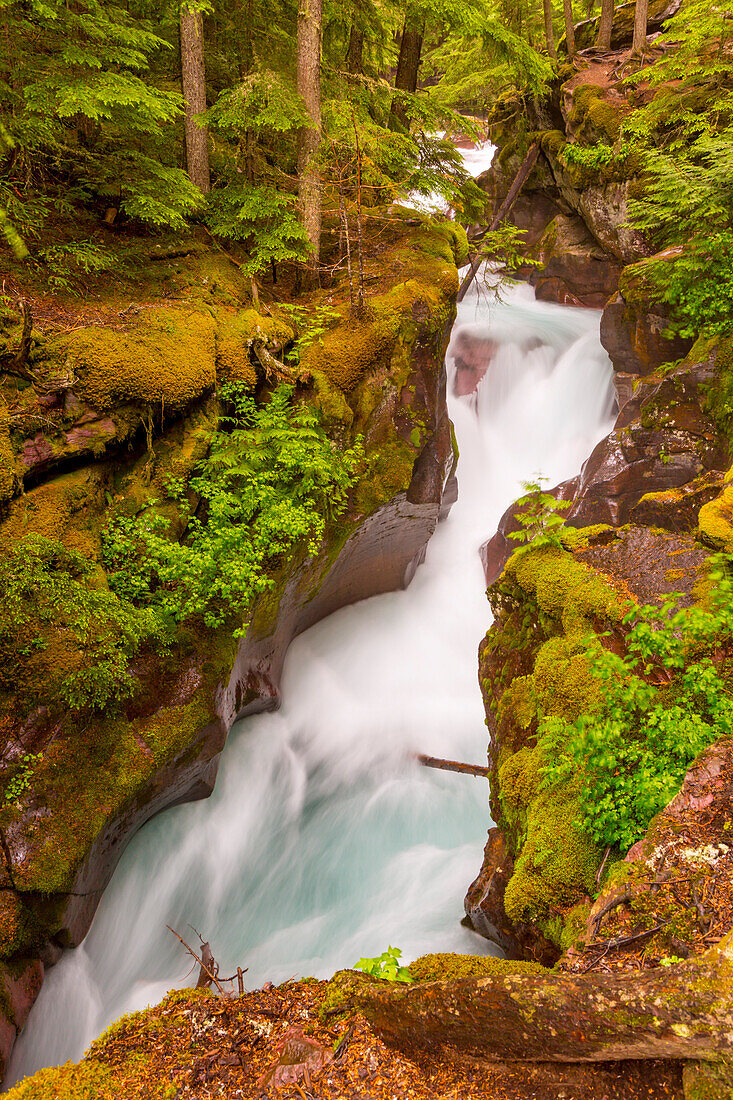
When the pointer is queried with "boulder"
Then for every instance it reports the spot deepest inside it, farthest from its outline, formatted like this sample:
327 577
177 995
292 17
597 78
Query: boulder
575 269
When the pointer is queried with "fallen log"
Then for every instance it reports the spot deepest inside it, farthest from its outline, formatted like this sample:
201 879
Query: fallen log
513 194
682 1012
452 766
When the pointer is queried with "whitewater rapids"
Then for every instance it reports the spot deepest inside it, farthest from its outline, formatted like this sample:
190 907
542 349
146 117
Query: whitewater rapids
324 840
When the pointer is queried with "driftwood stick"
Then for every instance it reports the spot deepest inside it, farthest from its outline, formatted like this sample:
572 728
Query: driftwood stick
453 766
205 961
512 195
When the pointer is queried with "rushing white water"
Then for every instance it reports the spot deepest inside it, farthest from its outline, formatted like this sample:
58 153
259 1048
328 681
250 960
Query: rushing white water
324 841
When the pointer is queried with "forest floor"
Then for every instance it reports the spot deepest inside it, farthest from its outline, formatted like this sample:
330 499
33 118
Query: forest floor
277 1042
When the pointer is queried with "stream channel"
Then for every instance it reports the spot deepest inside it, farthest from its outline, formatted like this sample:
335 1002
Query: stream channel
324 840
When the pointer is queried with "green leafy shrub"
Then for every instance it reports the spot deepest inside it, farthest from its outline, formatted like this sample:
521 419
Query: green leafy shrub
663 703
269 484
540 517
386 966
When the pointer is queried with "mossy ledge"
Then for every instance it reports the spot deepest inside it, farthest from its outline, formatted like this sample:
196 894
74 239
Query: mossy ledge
98 776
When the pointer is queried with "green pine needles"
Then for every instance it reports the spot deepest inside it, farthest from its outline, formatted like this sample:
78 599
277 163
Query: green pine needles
540 517
664 701
269 485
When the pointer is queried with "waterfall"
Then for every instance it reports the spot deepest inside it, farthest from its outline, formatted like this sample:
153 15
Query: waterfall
324 840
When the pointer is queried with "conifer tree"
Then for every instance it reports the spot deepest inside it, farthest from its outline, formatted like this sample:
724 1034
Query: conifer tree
641 18
549 30
408 64
310 17
605 28
569 27
193 79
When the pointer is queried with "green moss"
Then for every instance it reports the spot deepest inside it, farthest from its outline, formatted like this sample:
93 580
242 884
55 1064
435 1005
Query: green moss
347 352
593 117
172 729
86 1081
557 864
8 477
580 538
342 993
553 142
238 334
389 472
566 588
19 927
166 360
444 967
551 604
708 1080
330 401
715 521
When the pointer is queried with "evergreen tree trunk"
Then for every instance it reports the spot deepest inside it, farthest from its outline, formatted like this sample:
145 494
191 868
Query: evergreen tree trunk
309 87
569 26
408 66
354 58
549 32
640 24
193 80
606 25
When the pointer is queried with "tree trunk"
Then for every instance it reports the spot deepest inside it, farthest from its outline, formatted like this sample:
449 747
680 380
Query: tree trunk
354 58
309 87
640 24
408 66
193 80
549 32
569 26
606 25
685 1011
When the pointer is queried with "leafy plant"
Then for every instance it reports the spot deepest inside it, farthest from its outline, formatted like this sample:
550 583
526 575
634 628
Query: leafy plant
386 966
540 516
59 635
269 484
311 324
21 781
663 703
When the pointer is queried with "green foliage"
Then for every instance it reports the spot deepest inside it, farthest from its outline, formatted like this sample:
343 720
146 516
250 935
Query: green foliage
663 702
269 485
311 325
58 634
21 781
66 264
685 134
264 218
79 107
540 517
386 966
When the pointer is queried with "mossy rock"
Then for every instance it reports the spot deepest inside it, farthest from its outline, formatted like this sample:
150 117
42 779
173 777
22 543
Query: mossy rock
167 360
716 521
561 601
593 117
342 993
8 477
238 334
345 354
708 1080
445 967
